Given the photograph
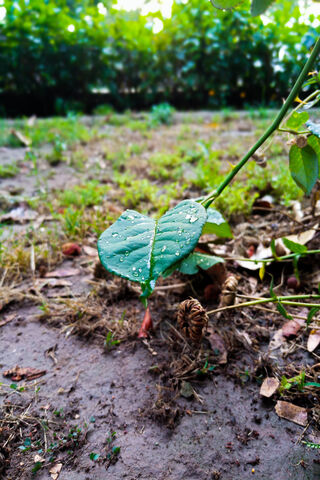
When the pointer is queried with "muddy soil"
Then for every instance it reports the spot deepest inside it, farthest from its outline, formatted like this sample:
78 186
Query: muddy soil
231 434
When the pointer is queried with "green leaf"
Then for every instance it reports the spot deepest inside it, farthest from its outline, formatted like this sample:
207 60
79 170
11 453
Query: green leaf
312 384
314 143
226 4
297 120
259 6
216 224
313 127
283 311
94 456
294 247
140 249
304 167
273 249
312 313
196 260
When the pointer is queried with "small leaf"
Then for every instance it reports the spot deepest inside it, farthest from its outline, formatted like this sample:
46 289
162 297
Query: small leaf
312 313
273 249
304 167
313 127
141 249
297 120
262 271
259 6
283 311
216 224
94 456
194 261
294 247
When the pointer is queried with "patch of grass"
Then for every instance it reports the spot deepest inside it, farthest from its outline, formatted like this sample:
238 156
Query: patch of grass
68 129
88 194
9 170
241 194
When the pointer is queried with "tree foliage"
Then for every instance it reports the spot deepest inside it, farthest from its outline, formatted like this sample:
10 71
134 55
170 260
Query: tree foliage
212 57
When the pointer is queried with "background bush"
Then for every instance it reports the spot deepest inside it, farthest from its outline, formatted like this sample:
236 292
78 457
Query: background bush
55 55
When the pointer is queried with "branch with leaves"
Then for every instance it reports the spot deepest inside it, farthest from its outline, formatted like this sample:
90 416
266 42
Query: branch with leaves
141 249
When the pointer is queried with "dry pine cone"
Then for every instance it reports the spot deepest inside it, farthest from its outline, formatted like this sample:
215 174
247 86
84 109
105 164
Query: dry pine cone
192 319
229 290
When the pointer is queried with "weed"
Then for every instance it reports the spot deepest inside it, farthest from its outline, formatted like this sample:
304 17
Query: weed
103 109
7 171
162 114
110 341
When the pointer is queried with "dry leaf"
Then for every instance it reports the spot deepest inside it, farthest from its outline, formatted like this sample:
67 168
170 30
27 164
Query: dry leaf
90 251
291 412
55 471
277 340
291 328
31 121
269 386
28 373
62 273
313 340
22 138
37 459
19 215
52 282
304 237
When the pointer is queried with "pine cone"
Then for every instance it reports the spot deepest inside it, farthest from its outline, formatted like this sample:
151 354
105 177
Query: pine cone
229 290
192 319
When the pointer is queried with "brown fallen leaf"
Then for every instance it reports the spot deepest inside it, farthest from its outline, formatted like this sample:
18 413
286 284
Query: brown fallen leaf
291 328
291 412
62 273
218 347
313 340
55 471
269 386
28 373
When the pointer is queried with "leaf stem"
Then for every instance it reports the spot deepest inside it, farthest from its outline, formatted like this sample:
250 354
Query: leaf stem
275 124
284 300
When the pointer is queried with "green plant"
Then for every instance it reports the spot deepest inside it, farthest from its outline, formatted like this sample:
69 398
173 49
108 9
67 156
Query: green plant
110 341
7 171
162 114
142 249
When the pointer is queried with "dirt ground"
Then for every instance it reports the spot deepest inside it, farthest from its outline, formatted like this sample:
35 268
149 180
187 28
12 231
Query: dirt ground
159 408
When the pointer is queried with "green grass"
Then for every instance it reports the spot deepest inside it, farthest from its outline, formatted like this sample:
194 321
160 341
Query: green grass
7 171
50 130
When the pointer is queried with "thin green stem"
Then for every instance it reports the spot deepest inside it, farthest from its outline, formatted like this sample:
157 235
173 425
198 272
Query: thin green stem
275 124
272 259
284 300
294 132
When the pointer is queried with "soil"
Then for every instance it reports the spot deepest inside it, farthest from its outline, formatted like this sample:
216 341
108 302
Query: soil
126 402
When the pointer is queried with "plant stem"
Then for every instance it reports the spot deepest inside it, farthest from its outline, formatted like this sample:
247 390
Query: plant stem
272 259
275 124
284 300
